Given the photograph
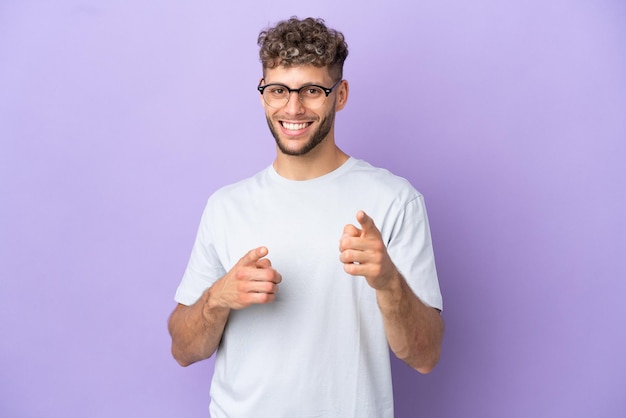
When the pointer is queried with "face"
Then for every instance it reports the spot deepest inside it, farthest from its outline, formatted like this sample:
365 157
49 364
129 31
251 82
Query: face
297 129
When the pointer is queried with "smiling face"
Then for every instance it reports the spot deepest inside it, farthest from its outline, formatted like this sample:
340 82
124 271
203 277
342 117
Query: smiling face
297 129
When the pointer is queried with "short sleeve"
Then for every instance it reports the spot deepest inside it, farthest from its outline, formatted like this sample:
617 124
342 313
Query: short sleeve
410 248
204 267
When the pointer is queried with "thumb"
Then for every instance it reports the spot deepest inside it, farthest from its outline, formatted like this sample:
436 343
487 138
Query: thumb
253 256
351 231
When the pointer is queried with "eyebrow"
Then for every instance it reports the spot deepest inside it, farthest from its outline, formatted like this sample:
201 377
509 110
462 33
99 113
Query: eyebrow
312 83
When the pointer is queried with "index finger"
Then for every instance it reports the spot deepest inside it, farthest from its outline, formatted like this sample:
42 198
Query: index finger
367 223
253 256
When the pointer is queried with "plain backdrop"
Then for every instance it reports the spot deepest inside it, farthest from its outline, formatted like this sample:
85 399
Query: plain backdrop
119 118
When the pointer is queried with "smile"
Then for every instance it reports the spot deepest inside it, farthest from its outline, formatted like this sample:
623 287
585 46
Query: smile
295 126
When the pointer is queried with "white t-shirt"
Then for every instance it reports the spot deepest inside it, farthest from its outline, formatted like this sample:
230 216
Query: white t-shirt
319 350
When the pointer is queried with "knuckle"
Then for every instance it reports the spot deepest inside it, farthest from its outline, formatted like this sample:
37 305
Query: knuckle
266 275
349 268
242 300
264 297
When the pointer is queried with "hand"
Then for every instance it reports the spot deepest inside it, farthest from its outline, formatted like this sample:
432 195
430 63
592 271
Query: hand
363 253
251 281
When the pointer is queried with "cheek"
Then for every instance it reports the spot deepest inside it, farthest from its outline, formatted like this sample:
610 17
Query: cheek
270 114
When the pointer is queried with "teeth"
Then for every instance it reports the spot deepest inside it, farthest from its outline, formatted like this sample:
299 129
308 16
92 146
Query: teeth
294 126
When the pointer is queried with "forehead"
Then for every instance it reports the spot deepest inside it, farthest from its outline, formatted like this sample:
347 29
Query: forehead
297 75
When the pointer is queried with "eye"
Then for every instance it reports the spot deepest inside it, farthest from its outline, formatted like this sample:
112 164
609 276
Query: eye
277 90
312 92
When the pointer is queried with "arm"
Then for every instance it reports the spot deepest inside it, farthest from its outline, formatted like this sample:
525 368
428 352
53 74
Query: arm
197 330
414 330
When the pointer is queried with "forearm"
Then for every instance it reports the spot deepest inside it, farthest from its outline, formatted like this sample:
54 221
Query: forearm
414 330
196 330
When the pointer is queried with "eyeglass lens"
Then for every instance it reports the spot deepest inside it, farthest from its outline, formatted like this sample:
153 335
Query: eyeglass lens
278 96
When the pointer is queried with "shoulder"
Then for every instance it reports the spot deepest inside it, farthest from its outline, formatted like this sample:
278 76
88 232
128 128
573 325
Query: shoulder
239 190
223 202
382 181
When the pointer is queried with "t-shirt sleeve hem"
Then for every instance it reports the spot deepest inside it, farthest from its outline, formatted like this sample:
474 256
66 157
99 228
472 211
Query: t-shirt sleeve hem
185 298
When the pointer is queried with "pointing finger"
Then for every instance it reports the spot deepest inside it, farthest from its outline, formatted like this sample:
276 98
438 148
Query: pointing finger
254 255
367 223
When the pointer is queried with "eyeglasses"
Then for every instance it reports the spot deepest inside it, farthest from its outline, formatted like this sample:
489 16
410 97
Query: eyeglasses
310 95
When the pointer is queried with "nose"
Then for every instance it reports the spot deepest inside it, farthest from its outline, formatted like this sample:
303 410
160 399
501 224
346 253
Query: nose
294 105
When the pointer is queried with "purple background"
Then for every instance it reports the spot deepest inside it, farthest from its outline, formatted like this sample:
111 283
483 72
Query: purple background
119 118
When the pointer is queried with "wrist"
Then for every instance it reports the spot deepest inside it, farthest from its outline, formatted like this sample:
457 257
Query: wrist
390 282
211 305
392 290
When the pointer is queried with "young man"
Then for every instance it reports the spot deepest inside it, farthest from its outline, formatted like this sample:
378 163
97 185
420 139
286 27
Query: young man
304 275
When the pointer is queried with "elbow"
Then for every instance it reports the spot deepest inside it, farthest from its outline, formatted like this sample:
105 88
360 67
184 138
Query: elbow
180 359
420 360
424 370
182 363
425 358
424 365
427 367
428 355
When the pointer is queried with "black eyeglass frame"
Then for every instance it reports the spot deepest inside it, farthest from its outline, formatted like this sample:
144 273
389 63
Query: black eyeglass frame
326 90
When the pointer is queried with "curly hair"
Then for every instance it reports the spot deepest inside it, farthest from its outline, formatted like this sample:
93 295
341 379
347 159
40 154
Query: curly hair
303 42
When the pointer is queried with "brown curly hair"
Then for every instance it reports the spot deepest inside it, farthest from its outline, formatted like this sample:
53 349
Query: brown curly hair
303 42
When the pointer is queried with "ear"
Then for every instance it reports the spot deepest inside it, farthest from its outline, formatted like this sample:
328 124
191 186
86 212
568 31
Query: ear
342 95
260 95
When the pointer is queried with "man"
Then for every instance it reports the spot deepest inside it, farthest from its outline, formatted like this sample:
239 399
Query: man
300 301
